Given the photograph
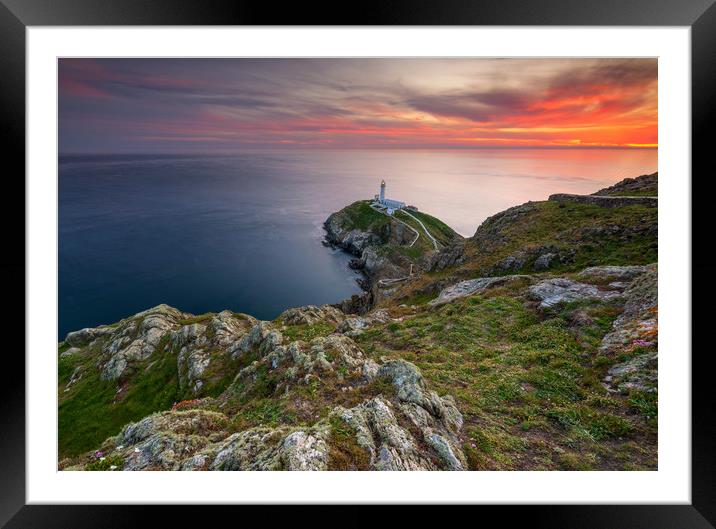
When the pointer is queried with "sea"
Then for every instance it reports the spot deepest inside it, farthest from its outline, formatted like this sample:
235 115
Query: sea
243 231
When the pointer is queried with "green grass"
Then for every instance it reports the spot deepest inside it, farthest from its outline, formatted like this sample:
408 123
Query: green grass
360 215
646 403
526 384
201 318
572 227
106 464
307 332
344 451
438 229
93 409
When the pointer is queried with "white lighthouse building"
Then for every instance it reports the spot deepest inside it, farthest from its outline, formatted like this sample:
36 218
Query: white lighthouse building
391 206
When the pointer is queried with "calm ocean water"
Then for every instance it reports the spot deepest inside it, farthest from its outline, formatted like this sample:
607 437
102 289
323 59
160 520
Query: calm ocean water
243 232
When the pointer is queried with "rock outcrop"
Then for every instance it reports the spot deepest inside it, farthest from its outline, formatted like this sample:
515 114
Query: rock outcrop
647 184
473 286
356 325
137 338
552 292
408 428
338 387
311 314
635 332
607 274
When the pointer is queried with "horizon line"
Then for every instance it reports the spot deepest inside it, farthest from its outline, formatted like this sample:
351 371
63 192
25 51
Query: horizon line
314 148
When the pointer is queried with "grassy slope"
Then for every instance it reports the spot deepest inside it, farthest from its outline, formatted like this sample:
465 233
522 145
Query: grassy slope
93 409
528 386
527 383
441 231
595 236
573 226
89 412
361 216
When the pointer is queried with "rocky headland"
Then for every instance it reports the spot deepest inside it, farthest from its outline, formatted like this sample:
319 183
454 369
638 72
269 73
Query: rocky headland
530 346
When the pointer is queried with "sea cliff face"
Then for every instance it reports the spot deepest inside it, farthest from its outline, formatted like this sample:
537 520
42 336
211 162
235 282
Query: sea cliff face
530 346
388 248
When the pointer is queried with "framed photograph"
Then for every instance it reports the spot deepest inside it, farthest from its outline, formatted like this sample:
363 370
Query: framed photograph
431 254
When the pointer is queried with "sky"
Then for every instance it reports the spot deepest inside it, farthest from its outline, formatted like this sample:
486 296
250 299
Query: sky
225 105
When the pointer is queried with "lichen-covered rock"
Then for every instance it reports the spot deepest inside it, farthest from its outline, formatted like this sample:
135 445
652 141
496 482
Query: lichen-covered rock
552 292
394 447
311 314
163 451
137 338
273 449
639 373
320 355
356 325
305 451
611 273
473 286
165 441
262 336
88 335
381 429
70 352
391 447
226 328
635 331
74 378
638 322
184 422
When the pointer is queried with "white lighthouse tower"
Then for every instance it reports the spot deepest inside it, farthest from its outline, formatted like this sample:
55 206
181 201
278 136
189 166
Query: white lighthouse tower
390 206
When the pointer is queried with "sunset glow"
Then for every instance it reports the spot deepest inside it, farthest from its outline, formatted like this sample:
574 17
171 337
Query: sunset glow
207 105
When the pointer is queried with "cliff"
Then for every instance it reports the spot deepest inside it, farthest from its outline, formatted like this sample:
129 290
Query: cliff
530 346
387 247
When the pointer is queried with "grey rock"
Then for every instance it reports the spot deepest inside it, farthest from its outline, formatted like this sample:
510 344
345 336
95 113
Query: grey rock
85 336
391 447
512 262
262 336
273 449
611 273
638 321
356 325
552 292
70 352
302 451
638 373
137 338
472 286
74 378
311 314
544 261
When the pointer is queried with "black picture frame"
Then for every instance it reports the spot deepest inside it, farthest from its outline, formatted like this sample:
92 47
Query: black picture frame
699 15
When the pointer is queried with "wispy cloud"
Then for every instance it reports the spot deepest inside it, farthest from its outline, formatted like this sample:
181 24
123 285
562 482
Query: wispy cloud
161 105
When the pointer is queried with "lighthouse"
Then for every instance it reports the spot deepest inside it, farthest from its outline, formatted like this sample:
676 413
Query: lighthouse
390 206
